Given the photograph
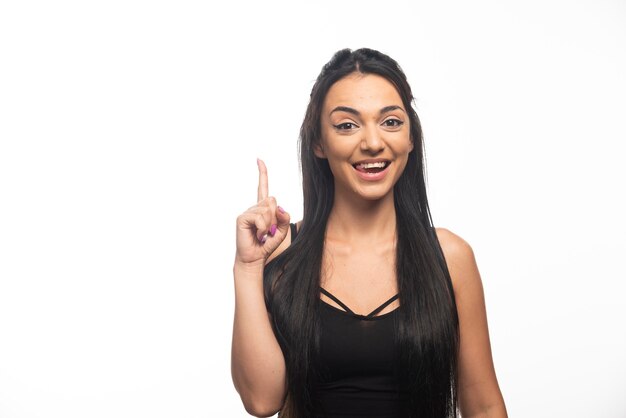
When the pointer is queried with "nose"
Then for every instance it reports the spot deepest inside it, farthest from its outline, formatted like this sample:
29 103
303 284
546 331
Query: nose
372 141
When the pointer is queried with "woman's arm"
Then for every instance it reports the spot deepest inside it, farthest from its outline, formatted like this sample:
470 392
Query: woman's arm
257 362
478 390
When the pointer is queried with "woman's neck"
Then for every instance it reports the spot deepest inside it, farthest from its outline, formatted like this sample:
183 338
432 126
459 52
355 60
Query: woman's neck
362 221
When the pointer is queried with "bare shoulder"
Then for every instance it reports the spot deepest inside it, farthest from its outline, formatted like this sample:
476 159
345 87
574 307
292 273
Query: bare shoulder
479 392
283 245
453 245
459 257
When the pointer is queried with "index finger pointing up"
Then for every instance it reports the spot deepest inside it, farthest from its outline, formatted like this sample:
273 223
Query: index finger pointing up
263 188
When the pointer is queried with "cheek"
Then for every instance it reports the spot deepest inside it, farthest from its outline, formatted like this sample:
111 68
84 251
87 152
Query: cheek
404 150
337 149
337 165
403 145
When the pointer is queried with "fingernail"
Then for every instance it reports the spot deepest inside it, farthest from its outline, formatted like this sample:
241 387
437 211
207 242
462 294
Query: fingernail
281 210
263 239
273 229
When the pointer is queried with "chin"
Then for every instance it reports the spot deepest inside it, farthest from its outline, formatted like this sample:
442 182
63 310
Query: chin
374 195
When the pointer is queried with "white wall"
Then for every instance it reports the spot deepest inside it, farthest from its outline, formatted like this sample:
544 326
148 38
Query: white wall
129 132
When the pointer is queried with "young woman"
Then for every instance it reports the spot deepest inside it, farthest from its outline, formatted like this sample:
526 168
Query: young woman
363 308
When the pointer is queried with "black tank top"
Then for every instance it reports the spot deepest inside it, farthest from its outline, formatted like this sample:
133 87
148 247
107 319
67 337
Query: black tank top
357 365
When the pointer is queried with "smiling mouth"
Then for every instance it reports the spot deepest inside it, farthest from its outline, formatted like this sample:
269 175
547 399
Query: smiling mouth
376 167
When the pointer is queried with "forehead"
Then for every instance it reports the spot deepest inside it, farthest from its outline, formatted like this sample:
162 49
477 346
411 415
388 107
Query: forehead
362 92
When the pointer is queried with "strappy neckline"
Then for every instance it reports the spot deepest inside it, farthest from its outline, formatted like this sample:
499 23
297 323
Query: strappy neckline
347 310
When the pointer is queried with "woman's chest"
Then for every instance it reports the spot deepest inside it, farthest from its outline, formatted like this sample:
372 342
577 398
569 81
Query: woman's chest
362 280
351 346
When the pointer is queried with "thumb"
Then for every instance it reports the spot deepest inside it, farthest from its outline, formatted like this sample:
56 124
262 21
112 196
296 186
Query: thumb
283 219
282 227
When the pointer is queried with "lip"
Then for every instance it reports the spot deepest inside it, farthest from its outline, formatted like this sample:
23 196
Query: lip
372 176
372 160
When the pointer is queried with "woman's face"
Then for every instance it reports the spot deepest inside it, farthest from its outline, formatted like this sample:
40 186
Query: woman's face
365 135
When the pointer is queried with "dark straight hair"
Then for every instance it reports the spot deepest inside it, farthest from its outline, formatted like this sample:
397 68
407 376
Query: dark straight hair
427 325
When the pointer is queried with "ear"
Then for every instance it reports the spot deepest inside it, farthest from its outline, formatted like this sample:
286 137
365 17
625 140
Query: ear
318 150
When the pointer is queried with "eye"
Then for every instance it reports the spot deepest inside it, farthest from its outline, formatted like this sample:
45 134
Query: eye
393 123
346 126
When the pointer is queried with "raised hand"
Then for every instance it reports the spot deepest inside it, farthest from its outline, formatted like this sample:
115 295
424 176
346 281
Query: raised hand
261 228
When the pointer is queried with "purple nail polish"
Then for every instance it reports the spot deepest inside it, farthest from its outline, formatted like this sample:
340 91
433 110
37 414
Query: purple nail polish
263 239
273 230
281 210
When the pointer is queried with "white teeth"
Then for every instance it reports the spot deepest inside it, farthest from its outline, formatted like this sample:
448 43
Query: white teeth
381 164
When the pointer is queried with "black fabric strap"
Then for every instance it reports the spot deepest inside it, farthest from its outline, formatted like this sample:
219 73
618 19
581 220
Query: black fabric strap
340 303
343 305
294 231
383 306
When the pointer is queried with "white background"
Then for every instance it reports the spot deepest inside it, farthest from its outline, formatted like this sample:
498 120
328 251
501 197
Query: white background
129 132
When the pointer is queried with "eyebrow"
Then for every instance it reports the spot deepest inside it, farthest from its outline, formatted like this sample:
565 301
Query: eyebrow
357 113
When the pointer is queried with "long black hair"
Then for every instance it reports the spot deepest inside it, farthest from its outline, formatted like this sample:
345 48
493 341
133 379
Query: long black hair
427 325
